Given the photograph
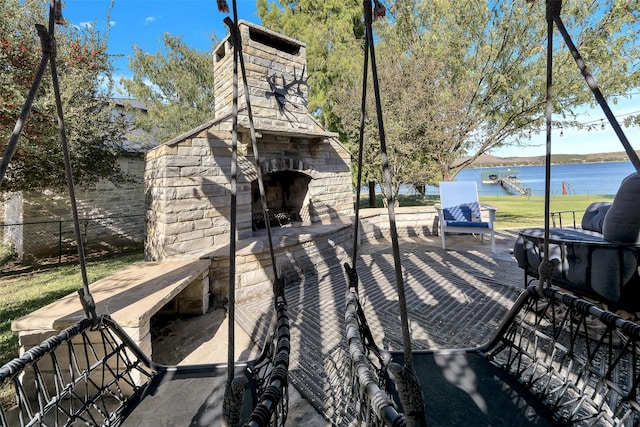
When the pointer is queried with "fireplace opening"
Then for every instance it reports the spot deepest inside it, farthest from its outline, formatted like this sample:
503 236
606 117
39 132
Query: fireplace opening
286 192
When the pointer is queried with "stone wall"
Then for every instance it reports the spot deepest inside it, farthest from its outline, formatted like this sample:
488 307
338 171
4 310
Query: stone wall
297 254
41 212
410 221
98 200
181 181
187 185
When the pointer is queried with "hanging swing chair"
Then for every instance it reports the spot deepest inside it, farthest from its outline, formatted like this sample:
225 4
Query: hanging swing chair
93 373
556 359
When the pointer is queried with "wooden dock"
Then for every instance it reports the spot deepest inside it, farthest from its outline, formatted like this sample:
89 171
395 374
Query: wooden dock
508 180
514 185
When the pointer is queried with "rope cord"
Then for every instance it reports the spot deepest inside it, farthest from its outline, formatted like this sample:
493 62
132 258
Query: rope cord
406 335
273 401
593 85
363 108
232 233
48 42
85 294
278 285
263 197
26 108
544 271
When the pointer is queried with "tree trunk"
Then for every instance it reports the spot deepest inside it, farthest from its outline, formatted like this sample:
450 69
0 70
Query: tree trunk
372 194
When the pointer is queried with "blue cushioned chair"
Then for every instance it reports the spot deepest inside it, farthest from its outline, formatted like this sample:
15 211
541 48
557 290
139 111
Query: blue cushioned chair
459 211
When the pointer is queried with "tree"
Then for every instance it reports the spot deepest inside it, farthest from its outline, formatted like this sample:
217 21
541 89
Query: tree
495 52
408 89
460 79
94 134
176 84
404 133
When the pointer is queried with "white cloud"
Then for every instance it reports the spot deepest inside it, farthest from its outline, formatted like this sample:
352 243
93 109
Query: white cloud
112 23
87 25
150 19
112 87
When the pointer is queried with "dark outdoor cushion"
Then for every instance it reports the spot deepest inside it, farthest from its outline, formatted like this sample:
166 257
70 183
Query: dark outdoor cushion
529 254
622 221
590 263
461 213
587 264
593 217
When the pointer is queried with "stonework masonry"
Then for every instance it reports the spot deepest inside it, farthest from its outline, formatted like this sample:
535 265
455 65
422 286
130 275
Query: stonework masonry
39 210
276 69
307 170
188 193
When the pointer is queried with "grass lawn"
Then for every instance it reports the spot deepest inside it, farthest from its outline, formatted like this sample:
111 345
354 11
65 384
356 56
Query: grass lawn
26 293
523 211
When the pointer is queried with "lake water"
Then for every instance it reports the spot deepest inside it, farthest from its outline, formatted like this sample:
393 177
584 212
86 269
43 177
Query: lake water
579 178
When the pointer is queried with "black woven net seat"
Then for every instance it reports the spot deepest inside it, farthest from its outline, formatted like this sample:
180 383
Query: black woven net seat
95 375
556 360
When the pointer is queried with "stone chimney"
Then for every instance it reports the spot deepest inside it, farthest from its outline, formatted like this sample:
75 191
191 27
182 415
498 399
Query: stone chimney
276 77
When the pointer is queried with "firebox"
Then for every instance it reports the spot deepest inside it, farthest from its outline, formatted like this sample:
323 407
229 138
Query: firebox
285 193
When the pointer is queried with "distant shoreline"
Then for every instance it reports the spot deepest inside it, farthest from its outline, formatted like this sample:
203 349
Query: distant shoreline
488 160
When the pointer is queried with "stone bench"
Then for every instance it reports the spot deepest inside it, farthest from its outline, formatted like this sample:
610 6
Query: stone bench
131 297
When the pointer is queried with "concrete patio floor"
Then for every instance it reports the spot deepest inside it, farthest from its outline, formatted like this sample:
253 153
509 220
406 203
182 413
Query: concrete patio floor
315 401
204 339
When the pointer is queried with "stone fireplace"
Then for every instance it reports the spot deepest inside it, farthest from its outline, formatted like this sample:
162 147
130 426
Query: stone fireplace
305 169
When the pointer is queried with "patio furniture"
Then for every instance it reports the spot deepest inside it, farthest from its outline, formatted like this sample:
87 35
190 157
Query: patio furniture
459 211
599 260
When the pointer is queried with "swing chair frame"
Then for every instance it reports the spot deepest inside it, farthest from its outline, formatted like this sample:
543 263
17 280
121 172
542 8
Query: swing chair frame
97 375
556 359
93 373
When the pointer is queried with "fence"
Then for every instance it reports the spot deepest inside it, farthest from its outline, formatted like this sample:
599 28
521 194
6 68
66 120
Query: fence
52 241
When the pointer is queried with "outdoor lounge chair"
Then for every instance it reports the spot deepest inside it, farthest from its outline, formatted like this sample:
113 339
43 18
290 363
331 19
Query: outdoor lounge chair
459 211
600 260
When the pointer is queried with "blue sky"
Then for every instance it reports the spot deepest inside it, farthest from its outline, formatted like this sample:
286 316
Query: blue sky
574 141
143 22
